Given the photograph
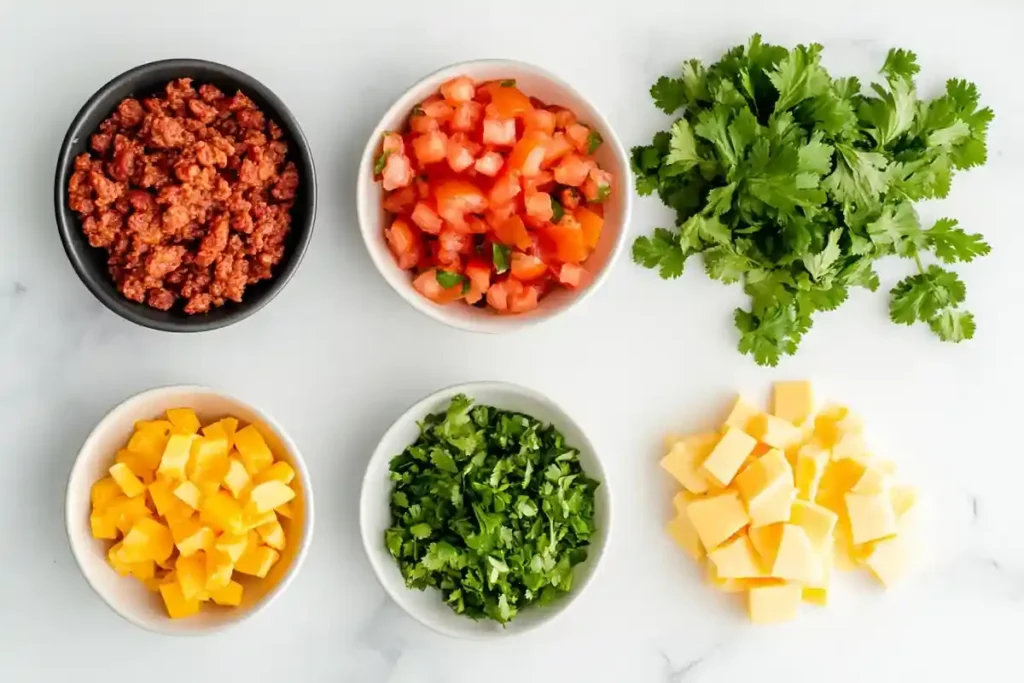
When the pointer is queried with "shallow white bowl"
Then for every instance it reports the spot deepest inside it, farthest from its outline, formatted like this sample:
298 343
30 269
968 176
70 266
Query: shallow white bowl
375 515
534 82
127 596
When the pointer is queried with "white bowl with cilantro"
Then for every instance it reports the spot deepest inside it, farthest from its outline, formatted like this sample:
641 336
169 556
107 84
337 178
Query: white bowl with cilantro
462 498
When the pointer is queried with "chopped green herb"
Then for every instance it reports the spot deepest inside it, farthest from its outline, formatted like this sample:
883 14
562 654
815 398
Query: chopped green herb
603 192
508 83
447 279
594 141
500 255
557 210
417 110
490 507
378 167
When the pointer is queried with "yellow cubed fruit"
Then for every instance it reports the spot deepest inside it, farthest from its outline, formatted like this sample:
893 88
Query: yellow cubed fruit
285 511
178 606
716 518
773 603
253 450
126 511
816 521
189 494
225 428
114 560
163 427
736 559
222 513
183 420
685 457
142 466
175 458
103 526
103 492
200 539
147 442
681 530
792 401
775 431
811 460
269 495
741 414
209 460
229 596
272 533
232 545
279 471
237 477
219 568
252 519
257 560
130 485
772 507
795 558
727 456
144 571
190 573
871 516
148 539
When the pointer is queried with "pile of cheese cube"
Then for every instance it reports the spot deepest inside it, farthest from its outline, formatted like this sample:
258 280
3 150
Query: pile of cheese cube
775 501
188 510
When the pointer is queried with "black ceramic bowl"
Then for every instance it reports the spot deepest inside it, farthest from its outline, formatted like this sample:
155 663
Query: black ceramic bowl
91 263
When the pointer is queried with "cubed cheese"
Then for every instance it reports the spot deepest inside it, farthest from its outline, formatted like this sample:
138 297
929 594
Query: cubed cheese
279 471
839 477
269 495
190 572
130 485
219 568
772 507
850 445
816 521
183 420
178 607
723 584
792 401
174 462
889 560
229 596
772 603
874 480
835 421
795 559
811 460
103 493
815 596
236 478
679 501
716 518
272 533
253 450
741 414
222 513
257 560
189 494
765 541
681 530
769 471
871 516
775 431
736 559
727 456
232 545
904 501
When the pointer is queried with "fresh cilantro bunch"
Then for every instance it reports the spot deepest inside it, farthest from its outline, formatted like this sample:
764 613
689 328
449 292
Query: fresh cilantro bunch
490 507
794 183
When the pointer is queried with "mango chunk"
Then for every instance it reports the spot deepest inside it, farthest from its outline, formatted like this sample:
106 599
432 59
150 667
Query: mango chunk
147 442
126 511
103 526
230 595
190 573
285 511
269 495
129 484
148 539
162 427
222 513
103 492
232 545
178 606
142 466
225 428
252 519
199 539
209 460
237 477
279 471
253 450
189 494
219 568
257 560
183 420
175 458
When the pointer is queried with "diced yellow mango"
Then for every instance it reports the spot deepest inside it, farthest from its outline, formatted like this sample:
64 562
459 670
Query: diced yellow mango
191 575
871 516
681 530
257 560
773 603
792 401
161 493
816 521
114 560
232 545
103 492
775 431
175 458
741 414
253 450
148 539
252 519
716 518
126 511
285 511
142 466
221 512
219 568
130 485
183 420
189 494
225 428
209 461
736 559
230 595
103 526
795 558
163 427
178 606
236 478
143 571
727 456
147 442
279 471
269 495
772 507
201 539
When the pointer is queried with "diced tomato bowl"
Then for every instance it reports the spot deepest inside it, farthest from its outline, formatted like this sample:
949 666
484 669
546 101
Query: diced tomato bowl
492 195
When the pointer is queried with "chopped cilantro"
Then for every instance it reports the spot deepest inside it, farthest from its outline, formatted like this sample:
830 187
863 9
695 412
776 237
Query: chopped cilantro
557 210
508 83
500 254
378 167
447 279
594 141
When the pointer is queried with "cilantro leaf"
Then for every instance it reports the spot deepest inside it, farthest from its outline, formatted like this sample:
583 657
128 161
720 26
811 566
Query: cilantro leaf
683 152
447 279
819 265
662 250
382 160
594 141
557 210
900 63
921 297
507 83
669 94
500 256
952 244
953 326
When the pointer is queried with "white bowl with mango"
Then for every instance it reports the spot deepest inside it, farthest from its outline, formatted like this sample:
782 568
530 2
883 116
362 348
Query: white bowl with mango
188 510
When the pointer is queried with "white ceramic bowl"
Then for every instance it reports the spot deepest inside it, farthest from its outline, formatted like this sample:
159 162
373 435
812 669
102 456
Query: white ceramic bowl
127 596
375 515
534 82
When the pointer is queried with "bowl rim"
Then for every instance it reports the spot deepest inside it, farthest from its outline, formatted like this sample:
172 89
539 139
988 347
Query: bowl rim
300 465
477 324
66 220
413 413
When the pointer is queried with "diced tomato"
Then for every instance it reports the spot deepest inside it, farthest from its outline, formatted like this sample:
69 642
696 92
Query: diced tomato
573 170
430 148
479 274
590 224
460 153
448 259
437 108
570 198
426 218
529 153
507 101
570 275
456 198
526 267
405 243
422 188
570 245
505 188
538 205
524 301
557 148
458 89
499 132
467 116
421 123
397 172
598 185
538 182
392 144
451 240
499 213
579 135
513 231
564 118
499 294
426 284
401 200
489 164
539 119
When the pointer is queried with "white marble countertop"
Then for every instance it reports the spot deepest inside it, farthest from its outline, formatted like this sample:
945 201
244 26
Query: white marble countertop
337 356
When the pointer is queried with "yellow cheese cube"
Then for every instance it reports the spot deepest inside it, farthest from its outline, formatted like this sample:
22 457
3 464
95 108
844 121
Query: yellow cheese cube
279 471
765 541
792 401
684 459
815 596
190 573
222 513
232 545
727 456
850 445
183 420
871 516
904 500
174 461
681 530
142 466
839 477
199 539
769 471
148 539
795 559
269 495
147 442
679 501
874 480
889 560
285 511
811 460
741 414
126 479
189 494
219 568
229 596
833 422
253 450
775 431
103 526
816 521
772 507
237 477
178 607
736 559
725 585
103 492
716 518
251 518
126 511
257 560
773 603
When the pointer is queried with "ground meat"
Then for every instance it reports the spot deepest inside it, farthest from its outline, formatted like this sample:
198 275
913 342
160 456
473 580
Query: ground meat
190 194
